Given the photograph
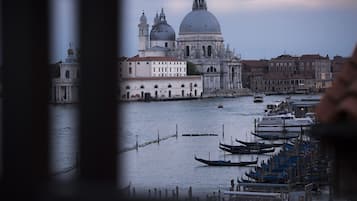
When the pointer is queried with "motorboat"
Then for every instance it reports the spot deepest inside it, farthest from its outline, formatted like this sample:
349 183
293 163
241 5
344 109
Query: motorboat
283 123
258 98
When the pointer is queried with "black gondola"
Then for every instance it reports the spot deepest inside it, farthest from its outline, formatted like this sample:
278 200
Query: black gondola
233 146
260 144
277 137
247 147
247 150
226 163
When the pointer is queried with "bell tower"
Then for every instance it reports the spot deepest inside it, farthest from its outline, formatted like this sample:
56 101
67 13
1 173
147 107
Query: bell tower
143 35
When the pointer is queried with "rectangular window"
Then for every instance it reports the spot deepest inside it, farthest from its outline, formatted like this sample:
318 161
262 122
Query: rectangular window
187 51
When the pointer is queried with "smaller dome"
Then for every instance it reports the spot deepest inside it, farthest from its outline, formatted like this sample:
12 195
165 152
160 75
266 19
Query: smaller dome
162 31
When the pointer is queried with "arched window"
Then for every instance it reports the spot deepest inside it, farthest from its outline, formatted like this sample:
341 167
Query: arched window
187 51
130 71
204 51
214 69
127 87
142 87
155 86
207 70
209 51
195 85
169 86
166 44
211 69
67 74
182 85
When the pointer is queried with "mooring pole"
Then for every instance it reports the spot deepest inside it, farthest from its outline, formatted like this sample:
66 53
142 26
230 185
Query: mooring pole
177 192
176 131
223 131
137 143
255 125
158 136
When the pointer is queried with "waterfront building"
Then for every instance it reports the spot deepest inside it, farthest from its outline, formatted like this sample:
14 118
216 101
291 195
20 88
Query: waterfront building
320 67
253 72
336 65
65 79
157 78
199 41
288 74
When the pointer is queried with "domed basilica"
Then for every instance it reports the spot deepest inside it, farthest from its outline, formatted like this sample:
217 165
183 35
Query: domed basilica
199 41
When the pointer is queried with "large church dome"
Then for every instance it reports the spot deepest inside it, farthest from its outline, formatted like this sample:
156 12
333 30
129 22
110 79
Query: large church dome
161 30
199 20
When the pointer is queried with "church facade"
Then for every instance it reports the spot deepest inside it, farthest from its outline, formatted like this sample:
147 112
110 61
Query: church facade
199 41
65 79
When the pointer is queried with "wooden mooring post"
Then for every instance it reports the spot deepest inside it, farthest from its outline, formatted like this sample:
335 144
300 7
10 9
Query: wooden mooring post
176 131
223 131
137 143
158 136
177 192
190 193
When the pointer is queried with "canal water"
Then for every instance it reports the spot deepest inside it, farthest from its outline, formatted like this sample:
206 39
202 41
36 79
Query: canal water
171 162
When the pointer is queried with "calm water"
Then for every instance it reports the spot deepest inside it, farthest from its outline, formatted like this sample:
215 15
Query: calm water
171 162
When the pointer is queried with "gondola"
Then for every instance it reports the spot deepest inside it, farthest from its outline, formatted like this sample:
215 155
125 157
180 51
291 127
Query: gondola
279 136
233 146
244 147
261 144
226 163
247 150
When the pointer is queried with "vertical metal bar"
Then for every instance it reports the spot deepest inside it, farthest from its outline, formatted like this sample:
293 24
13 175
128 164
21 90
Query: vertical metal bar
25 97
98 87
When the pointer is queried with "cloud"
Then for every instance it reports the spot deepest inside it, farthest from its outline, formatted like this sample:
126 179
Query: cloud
178 6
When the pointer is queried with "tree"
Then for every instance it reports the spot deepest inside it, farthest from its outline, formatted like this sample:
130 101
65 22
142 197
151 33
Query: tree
192 69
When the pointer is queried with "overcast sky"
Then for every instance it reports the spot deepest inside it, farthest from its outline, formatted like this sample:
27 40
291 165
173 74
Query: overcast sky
257 29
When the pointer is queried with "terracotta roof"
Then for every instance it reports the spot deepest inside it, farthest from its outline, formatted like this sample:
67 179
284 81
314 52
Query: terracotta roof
137 58
122 58
255 63
340 101
191 77
285 57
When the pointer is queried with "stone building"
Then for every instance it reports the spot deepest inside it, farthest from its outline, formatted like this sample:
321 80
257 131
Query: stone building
252 72
320 67
65 79
289 74
199 41
157 78
336 65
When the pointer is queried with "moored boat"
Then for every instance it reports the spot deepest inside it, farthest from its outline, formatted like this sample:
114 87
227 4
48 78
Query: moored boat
258 98
226 163
247 150
276 135
259 144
